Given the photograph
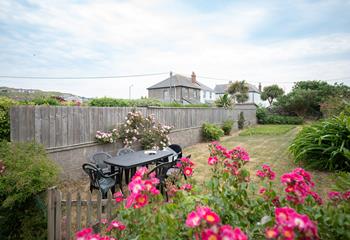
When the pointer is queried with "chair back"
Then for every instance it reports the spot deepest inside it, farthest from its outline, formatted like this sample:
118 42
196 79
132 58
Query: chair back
177 148
99 158
124 151
93 172
161 170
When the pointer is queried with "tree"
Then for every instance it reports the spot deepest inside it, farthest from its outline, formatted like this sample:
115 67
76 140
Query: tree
239 90
224 101
271 92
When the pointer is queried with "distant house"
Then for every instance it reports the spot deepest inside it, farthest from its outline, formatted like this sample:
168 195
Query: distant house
253 92
181 89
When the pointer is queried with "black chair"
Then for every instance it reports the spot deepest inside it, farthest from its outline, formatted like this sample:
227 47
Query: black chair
123 151
177 148
99 180
161 171
98 159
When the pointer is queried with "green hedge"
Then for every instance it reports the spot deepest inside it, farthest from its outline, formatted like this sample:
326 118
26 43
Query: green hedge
227 127
264 117
5 105
211 132
28 173
324 145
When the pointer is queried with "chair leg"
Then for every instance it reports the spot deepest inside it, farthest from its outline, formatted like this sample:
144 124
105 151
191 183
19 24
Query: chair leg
91 188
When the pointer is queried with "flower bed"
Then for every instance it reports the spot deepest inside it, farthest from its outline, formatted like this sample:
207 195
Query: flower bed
229 206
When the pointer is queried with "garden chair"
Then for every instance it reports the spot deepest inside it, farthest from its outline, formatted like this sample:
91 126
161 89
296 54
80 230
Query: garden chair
175 169
98 159
177 148
161 171
124 151
100 180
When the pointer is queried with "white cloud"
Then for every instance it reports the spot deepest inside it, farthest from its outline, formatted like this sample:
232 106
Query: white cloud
128 37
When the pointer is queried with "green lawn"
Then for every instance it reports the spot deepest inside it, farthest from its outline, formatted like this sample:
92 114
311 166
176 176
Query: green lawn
271 149
267 130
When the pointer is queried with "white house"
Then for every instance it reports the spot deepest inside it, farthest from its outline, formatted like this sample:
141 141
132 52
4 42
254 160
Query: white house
253 92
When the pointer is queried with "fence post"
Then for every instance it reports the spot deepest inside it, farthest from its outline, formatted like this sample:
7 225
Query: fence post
51 213
58 198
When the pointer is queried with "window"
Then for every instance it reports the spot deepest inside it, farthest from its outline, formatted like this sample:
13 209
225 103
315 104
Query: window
211 95
166 94
204 94
194 93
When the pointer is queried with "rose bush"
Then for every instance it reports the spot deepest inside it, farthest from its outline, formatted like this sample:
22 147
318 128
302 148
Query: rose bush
229 206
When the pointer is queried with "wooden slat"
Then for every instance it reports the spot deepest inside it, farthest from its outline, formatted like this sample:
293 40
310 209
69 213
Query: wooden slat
52 131
58 210
69 215
99 207
109 206
51 214
78 211
14 125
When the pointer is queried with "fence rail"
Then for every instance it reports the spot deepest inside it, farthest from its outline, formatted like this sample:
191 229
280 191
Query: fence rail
63 221
58 126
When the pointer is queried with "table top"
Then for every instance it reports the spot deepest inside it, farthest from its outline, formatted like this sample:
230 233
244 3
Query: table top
138 158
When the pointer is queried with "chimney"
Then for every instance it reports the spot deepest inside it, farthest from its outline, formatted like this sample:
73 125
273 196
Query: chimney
230 82
193 77
259 87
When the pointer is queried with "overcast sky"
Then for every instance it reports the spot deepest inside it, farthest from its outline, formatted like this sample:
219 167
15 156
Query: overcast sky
259 41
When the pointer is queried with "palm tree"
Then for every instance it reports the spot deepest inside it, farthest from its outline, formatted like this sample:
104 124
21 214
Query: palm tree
239 90
224 101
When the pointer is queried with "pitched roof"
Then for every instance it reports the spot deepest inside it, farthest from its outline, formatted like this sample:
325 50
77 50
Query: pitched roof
179 80
222 88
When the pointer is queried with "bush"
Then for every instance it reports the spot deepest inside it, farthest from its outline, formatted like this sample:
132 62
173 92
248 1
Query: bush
241 121
27 173
5 105
324 145
211 132
264 117
227 127
45 101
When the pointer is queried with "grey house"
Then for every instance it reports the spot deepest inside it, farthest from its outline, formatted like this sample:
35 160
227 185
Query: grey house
180 89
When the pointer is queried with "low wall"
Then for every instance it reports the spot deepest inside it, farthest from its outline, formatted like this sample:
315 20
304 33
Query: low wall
68 133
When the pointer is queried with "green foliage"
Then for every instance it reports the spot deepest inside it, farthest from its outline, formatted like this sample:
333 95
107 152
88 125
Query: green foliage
306 98
224 101
324 145
211 132
264 117
227 127
179 105
239 90
5 105
267 130
342 181
45 101
334 105
144 102
28 172
241 120
271 92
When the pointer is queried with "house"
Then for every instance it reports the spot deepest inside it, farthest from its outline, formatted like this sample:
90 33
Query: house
253 92
181 89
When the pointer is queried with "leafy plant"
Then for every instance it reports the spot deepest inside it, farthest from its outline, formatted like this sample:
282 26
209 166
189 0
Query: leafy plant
211 132
271 92
227 127
27 173
241 120
264 117
324 145
5 105
224 101
45 101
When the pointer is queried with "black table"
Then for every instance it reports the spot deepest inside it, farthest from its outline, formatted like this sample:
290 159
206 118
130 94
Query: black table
136 159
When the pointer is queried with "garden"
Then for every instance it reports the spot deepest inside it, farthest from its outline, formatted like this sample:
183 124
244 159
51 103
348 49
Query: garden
286 178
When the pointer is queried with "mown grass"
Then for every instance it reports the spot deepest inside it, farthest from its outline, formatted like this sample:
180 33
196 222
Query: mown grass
271 149
267 130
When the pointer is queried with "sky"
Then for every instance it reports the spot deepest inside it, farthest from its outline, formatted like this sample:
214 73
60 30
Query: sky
258 41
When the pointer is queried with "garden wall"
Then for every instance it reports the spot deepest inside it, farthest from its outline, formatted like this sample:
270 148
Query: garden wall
68 132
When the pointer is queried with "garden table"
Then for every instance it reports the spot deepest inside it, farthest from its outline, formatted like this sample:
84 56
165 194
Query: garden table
136 159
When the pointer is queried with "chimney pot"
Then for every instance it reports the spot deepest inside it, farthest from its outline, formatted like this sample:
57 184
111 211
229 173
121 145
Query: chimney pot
193 77
259 87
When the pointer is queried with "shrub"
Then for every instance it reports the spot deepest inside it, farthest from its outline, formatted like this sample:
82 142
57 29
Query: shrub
211 132
264 117
27 173
241 121
227 127
5 105
324 145
46 101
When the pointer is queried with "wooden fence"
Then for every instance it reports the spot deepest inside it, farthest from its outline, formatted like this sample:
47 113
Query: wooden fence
57 126
66 216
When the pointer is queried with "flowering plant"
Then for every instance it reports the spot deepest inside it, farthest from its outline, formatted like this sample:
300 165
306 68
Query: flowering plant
146 130
107 137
